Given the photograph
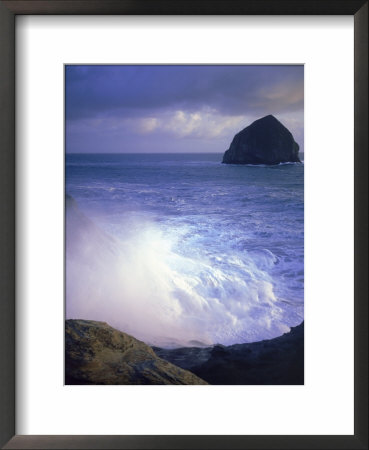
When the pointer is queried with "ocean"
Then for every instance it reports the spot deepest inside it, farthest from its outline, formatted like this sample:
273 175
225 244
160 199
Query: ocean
204 252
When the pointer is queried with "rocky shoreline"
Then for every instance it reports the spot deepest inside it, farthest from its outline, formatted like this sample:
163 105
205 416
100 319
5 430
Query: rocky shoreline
96 353
271 362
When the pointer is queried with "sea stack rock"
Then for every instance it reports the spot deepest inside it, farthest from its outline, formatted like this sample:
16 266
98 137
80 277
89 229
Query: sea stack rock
265 141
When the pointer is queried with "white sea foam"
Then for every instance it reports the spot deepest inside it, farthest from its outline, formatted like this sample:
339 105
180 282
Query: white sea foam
158 287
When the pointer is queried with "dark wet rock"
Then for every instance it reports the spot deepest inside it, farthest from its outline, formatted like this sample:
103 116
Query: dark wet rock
96 353
185 357
265 141
275 361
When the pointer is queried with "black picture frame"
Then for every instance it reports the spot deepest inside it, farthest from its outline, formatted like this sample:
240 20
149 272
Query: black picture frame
8 11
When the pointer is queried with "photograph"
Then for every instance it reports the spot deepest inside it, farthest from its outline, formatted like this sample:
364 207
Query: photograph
184 224
162 226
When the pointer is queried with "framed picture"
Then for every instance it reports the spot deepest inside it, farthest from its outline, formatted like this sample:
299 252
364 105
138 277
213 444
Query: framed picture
156 170
151 251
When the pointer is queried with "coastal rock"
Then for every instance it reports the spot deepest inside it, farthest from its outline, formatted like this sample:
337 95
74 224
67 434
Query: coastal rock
96 353
265 141
278 361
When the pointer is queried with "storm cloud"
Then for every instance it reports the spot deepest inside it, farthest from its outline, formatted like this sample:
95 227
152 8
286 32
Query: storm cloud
164 108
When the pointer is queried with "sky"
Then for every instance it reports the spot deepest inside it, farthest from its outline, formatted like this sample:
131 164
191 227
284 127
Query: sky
176 109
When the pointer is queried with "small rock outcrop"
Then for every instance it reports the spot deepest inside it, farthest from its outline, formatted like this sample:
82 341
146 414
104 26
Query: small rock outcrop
265 141
96 353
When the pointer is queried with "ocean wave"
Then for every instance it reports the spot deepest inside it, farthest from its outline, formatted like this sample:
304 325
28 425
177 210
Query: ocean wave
160 284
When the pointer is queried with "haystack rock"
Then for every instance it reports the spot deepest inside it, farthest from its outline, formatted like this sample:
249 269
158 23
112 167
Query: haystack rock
265 141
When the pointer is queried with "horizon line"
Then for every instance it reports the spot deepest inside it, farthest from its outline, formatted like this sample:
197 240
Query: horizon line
143 153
